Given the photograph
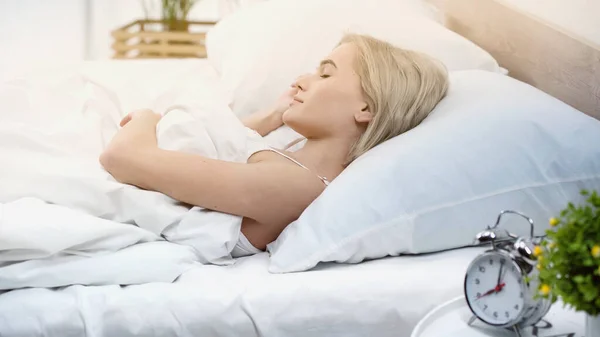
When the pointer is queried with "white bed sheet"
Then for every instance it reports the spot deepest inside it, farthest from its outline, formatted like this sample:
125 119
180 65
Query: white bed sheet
385 297
59 207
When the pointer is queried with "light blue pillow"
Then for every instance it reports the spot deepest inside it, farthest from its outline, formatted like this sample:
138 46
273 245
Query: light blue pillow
493 143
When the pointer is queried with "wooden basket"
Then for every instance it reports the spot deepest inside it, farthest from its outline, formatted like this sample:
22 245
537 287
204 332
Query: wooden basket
152 39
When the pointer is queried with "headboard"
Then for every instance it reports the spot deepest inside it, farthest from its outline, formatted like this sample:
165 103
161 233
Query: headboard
533 51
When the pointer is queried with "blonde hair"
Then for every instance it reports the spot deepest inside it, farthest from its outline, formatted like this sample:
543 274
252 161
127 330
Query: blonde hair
401 88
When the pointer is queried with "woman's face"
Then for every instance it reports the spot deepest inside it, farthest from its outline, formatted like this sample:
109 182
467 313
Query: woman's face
329 102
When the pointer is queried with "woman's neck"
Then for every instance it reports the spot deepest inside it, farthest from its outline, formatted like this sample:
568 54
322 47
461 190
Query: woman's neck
326 156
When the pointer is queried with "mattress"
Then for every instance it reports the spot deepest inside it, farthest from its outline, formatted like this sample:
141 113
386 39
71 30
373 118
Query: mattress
385 297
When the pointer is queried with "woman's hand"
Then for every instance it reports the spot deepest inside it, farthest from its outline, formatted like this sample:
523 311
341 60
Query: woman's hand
137 137
140 114
283 102
268 120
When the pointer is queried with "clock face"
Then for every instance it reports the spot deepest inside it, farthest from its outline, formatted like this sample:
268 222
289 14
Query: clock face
494 289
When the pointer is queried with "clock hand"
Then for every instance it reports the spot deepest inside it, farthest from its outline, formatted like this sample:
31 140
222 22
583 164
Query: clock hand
502 277
496 289
500 274
489 292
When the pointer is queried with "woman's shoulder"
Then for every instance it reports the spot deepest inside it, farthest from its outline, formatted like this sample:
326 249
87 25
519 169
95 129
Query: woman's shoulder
262 156
286 161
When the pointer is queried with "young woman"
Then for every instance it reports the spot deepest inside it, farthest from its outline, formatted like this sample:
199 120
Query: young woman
364 93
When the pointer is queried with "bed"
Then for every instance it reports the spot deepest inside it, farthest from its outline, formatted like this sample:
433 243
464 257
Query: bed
378 297
382 297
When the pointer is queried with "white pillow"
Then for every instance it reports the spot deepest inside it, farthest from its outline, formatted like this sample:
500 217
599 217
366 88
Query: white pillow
261 49
492 144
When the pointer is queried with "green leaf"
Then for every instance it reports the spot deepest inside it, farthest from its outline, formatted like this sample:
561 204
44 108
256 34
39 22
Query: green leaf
590 294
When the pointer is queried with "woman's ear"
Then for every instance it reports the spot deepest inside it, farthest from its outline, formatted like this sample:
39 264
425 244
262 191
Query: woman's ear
363 116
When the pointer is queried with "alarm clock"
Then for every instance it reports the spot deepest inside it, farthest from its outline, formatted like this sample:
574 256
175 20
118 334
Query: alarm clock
501 283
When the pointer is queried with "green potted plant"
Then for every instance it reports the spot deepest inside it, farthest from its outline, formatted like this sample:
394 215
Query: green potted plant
569 260
174 13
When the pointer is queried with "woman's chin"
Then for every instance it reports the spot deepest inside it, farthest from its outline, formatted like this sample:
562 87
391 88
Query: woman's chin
290 124
288 116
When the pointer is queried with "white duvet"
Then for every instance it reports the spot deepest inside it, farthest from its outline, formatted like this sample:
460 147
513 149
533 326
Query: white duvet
64 220
382 298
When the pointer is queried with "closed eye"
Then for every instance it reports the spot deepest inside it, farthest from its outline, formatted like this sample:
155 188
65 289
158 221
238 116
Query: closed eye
321 69
322 73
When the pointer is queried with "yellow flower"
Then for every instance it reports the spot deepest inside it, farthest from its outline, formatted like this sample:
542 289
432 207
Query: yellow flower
545 290
596 251
539 266
537 251
553 222
551 245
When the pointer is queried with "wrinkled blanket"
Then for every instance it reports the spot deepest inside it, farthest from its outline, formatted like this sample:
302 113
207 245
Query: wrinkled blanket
65 220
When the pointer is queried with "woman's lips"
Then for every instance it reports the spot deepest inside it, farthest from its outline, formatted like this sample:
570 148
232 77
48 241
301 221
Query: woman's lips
296 101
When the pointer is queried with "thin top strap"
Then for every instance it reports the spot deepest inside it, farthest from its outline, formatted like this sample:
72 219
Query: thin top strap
294 143
323 179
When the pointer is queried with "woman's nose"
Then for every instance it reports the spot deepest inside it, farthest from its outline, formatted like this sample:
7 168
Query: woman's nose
302 82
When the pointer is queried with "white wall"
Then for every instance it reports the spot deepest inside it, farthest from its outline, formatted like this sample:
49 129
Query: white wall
35 33
40 31
577 17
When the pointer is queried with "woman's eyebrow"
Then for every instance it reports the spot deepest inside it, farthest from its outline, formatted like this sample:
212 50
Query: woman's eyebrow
328 61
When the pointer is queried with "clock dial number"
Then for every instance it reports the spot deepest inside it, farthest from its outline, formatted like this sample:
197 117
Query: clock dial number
482 269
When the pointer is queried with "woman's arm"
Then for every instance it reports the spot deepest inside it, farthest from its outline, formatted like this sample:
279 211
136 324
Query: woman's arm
264 122
268 120
266 192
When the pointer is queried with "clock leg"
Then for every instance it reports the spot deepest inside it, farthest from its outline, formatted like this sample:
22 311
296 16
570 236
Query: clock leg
471 320
517 331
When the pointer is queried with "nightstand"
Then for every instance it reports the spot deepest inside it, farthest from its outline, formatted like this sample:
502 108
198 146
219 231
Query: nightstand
450 320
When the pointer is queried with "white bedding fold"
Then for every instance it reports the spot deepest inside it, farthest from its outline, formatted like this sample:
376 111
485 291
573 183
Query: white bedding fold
33 229
383 298
59 205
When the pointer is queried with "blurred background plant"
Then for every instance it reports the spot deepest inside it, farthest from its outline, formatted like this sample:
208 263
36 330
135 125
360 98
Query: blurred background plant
173 12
